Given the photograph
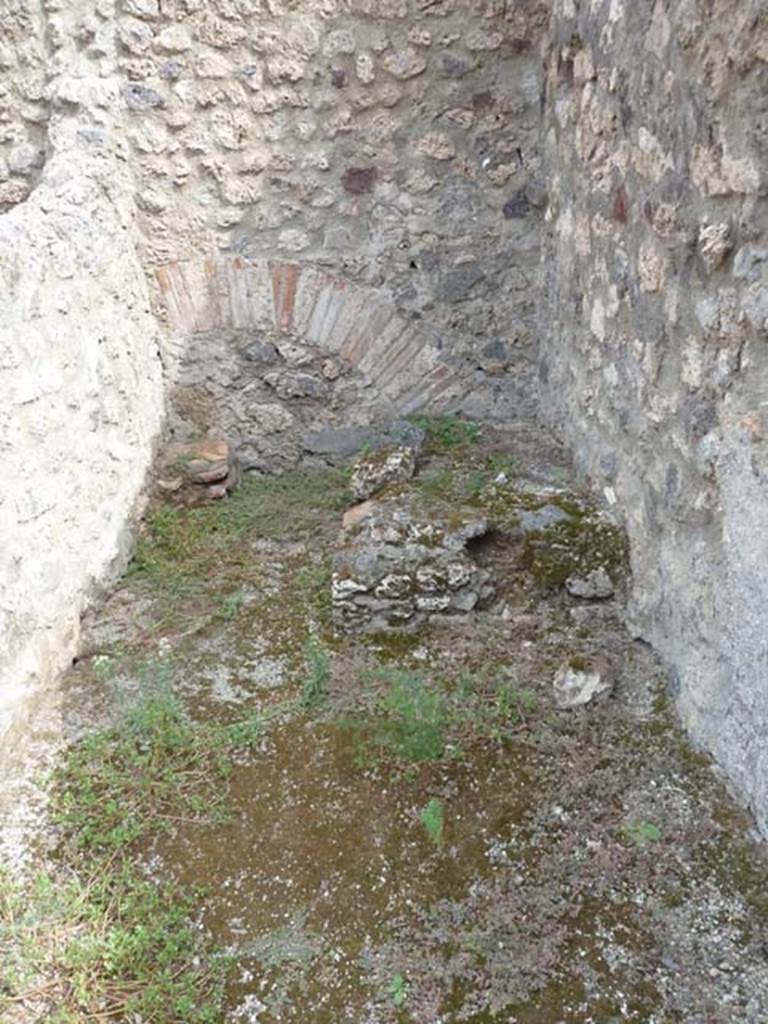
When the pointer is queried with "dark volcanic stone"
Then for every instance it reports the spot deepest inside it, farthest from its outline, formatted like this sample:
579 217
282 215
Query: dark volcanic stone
455 67
261 352
339 442
140 98
458 283
517 206
358 180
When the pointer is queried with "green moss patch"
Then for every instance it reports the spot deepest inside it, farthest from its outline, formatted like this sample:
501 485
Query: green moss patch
577 545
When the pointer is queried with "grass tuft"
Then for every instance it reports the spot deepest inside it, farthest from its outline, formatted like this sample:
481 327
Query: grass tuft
96 939
432 818
408 719
448 430
409 722
315 686
182 548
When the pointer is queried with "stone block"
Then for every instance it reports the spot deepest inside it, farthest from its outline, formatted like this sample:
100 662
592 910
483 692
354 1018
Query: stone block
395 566
372 473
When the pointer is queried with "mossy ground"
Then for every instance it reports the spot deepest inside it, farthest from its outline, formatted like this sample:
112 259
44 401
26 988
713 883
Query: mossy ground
583 867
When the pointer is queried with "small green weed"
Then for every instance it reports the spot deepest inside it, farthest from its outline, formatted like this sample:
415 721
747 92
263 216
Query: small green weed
475 482
433 820
448 431
438 484
152 767
461 482
408 721
312 588
398 990
245 733
230 605
315 685
513 702
105 944
413 721
642 832
490 705
498 462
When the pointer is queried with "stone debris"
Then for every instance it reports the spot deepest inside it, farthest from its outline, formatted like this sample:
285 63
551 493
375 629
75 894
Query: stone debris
356 514
580 681
596 585
199 471
373 472
473 684
296 385
543 518
394 567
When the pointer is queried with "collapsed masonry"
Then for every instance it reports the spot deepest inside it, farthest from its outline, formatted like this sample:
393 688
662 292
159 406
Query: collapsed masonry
268 221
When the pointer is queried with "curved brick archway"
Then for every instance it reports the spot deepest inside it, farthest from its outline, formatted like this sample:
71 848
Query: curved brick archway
401 361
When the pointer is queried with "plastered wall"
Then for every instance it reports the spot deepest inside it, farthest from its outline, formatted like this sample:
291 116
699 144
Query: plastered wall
83 393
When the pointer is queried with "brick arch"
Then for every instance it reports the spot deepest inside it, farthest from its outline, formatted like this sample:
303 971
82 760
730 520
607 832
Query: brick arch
401 360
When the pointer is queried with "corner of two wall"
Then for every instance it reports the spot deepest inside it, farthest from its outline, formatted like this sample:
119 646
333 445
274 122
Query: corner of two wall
652 308
359 179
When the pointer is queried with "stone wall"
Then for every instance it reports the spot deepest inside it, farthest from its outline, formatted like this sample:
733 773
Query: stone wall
24 108
388 145
655 308
83 400
276 352
332 208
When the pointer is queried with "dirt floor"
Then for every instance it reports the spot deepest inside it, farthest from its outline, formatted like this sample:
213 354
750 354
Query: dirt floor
519 863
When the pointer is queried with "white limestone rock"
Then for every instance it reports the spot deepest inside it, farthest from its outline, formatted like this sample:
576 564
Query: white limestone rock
581 681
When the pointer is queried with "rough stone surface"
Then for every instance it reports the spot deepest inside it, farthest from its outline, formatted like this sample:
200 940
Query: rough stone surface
341 442
79 351
339 141
395 567
341 210
655 358
596 585
199 471
576 684
330 353
24 100
372 473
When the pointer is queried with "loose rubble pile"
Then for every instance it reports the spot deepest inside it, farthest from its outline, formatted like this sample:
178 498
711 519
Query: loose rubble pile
394 567
389 466
404 556
199 471
402 559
